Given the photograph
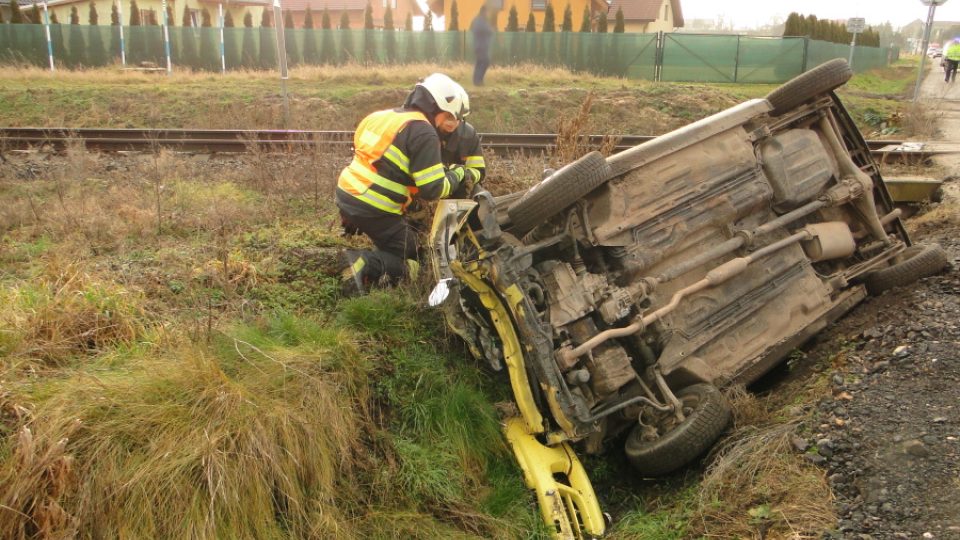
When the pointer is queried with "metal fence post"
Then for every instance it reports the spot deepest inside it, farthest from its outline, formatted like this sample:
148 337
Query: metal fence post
736 60
806 47
658 56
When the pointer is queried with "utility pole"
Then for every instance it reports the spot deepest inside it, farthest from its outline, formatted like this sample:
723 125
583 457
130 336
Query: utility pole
926 42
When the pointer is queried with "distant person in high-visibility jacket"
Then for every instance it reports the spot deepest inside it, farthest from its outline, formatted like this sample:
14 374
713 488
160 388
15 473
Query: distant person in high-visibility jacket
952 57
396 161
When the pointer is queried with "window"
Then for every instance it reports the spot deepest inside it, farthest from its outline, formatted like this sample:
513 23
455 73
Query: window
539 5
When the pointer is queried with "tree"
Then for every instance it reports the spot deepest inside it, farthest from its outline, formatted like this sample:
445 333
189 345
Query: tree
389 35
454 24
347 54
16 16
78 46
290 40
369 38
548 19
248 53
408 22
328 51
530 38
268 41
114 31
619 24
513 20
602 24
231 46
585 22
209 55
792 26
430 39
134 14
97 53
311 52
567 24
188 44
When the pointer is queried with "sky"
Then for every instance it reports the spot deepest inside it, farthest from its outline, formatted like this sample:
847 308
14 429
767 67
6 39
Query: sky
749 13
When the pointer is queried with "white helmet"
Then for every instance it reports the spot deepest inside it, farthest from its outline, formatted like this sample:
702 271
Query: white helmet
447 94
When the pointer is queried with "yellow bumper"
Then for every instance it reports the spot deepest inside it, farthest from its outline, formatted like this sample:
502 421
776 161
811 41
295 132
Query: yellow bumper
564 493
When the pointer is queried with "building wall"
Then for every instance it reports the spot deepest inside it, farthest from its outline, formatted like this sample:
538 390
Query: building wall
468 9
664 22
104 8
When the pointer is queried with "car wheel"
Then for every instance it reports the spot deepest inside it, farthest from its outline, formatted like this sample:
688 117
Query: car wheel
558 191
919 262
801 88
707 415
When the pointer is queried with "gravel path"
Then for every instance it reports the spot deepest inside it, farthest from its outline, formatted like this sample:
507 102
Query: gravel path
889 435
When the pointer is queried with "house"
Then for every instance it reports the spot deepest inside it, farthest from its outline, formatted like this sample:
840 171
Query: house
642 16
153 8
354 10
468 9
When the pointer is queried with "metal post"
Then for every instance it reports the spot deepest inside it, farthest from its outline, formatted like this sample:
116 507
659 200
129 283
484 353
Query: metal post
166 36
853 47
736 61
282 56
46 27
223 56
926 42
806 53
123 48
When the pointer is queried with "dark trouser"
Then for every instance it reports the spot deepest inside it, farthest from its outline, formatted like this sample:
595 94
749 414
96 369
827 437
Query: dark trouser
395 240
480 69
951 70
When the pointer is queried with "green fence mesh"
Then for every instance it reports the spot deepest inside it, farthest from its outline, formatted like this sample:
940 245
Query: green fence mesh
666 57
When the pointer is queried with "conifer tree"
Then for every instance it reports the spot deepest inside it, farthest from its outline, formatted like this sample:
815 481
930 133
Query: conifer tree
170 18
453 25
516 39
209 55
410 53
430 39
328 50
620 25
248 53
347 54
231 42
567 25
34 15
602 24
16 16
582 41
513 20
369 43
97 55
188 45
585 27
268 41
548 19
389 36
135 14
290 40
78 46
2 20
311 53
54 19
531 39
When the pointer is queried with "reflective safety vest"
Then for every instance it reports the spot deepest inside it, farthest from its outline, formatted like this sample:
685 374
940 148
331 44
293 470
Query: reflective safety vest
953 52
372 141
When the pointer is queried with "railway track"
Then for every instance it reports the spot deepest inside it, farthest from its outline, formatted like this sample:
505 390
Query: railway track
239 141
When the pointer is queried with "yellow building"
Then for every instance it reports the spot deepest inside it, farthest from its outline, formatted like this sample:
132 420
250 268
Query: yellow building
153 8
468 9
647 16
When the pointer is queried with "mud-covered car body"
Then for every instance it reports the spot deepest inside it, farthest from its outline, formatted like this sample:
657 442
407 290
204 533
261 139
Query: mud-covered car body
621 292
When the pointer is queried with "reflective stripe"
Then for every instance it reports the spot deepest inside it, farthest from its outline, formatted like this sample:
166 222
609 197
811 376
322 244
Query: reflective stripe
475 161
357 189
430 174
397 158
446 188
375 178
358 265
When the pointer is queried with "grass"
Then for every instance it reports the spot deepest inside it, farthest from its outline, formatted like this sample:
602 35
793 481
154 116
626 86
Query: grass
175 359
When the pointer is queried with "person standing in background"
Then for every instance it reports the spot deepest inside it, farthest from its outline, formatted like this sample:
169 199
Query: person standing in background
951 56
482 32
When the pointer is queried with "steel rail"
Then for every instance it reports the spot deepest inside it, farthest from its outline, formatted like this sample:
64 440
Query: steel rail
245 140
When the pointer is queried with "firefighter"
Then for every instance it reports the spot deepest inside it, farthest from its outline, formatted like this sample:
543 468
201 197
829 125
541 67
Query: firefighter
396 161
462 147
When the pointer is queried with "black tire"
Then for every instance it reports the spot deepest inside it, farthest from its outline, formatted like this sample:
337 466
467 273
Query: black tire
919 262
819 80
558 191
696 434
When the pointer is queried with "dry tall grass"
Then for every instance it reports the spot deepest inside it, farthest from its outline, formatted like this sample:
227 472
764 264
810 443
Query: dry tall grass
757 486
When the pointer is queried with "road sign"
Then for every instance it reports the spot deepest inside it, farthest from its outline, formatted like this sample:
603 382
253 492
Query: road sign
934 2
855 25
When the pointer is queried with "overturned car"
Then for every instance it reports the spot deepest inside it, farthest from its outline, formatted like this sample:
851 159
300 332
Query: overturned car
622 293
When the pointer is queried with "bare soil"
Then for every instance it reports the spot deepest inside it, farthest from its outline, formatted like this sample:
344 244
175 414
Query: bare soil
888 435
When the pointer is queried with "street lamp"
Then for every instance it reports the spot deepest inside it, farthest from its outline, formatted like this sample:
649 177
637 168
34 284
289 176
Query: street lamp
926 41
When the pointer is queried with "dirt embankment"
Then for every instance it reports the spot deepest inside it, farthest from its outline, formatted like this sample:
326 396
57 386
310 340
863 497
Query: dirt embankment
889 435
